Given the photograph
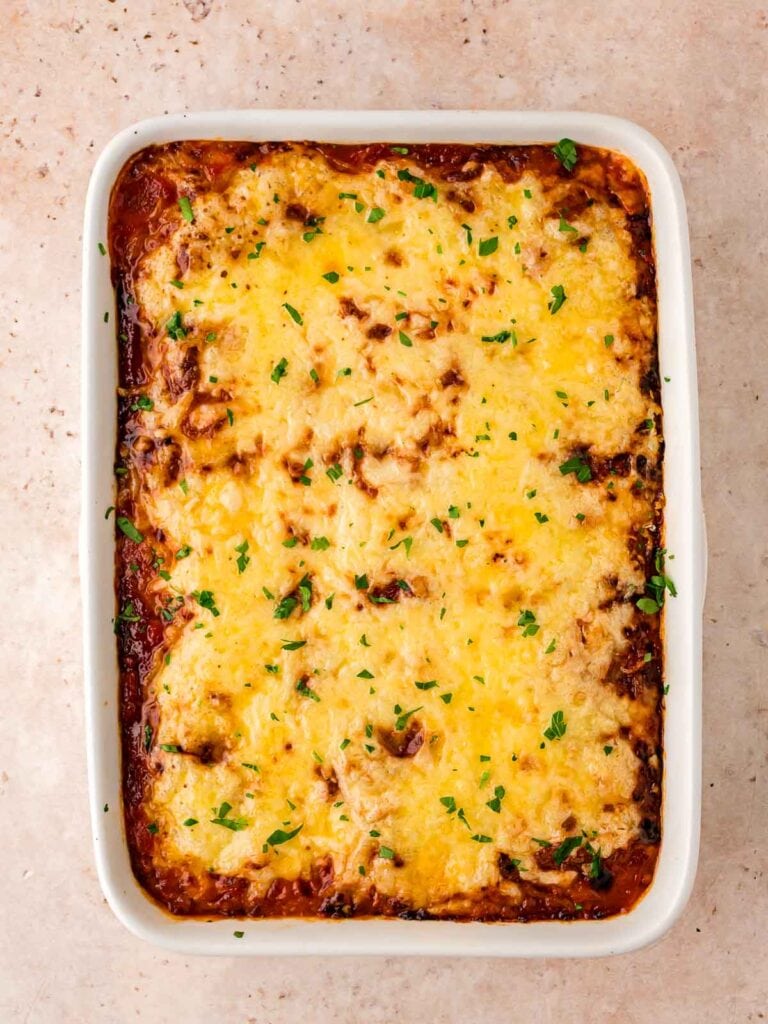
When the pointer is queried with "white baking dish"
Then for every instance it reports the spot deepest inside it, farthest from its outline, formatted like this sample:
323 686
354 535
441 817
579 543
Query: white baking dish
684 538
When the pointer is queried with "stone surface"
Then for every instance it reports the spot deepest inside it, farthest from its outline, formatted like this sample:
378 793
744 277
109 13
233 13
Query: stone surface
695 73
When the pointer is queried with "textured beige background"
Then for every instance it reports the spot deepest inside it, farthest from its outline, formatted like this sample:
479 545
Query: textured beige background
73 73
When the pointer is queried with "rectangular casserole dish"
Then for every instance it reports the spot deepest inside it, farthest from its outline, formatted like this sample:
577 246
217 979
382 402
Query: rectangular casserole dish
684 538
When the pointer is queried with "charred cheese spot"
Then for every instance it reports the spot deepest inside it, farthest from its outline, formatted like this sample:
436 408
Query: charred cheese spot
343 448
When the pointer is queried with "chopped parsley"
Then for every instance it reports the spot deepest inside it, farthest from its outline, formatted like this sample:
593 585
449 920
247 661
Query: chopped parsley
527 623
279 370
331 277
403 716
305 592
306 691
221 817
205 599
175 327
186 209
279 836
128 614
294 314
129 529
558 298
243 558
499 338
656 587
285 606
566 848
422 189
407 543
292 645
557 726
143 403
487 246
566 153
495 803
579 467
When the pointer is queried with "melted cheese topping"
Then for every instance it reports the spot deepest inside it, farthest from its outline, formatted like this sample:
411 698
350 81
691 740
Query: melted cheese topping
430 456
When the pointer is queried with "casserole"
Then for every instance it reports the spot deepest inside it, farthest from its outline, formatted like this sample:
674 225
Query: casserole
683 538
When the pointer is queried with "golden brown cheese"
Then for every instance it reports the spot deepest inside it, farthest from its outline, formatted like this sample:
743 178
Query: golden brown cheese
389 471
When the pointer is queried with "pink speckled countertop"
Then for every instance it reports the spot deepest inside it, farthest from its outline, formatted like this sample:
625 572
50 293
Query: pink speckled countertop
695 73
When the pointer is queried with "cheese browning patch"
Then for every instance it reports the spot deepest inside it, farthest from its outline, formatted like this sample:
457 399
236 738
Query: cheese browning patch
390 570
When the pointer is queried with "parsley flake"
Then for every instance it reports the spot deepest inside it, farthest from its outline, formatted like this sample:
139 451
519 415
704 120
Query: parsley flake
566 153
206 599
579 467
558 298
243 558
279 370
294 314
527 623
175 327
186 209
279 836
130 531
557 726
